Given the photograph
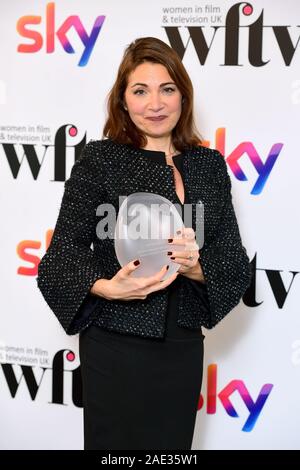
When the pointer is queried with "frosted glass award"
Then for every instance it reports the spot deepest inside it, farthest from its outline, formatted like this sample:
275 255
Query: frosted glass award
145 222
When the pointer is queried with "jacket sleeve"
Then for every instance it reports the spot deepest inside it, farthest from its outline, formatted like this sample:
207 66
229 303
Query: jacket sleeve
69 267
224 260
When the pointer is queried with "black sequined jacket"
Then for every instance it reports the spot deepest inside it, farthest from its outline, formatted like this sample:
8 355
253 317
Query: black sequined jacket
76 257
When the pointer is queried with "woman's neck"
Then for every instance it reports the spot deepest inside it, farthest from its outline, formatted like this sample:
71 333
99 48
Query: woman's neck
161 145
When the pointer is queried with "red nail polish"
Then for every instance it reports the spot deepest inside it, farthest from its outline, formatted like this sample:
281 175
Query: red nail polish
167 267
169 252
172 257
136 262
170 240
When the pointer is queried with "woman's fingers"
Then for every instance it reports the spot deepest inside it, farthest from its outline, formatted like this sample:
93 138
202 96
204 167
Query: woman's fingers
140 287
166 283
153 280
128 268
186 239
155 283
184 254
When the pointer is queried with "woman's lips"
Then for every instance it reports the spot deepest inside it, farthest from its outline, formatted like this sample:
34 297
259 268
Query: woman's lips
157 118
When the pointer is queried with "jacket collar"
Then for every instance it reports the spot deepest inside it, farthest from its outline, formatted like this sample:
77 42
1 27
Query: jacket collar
158 177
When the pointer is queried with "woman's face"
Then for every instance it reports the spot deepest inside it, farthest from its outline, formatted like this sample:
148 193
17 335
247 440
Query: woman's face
153 100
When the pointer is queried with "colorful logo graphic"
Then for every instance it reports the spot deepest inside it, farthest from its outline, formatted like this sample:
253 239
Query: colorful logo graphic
33 260
53 34
248 149
254 407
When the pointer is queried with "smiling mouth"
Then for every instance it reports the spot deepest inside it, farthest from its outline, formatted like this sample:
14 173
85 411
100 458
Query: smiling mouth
157 118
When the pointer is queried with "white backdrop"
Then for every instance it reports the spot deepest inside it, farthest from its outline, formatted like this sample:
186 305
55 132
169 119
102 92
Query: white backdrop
245 106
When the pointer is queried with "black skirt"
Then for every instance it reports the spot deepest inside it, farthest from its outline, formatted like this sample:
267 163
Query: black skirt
141 393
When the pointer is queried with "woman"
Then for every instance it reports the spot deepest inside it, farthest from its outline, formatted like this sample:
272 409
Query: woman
141 343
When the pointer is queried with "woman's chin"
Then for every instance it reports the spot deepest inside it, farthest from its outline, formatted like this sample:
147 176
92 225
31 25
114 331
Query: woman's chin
156 134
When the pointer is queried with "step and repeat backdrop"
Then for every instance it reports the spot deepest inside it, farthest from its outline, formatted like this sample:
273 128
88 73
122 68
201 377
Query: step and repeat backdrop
59 60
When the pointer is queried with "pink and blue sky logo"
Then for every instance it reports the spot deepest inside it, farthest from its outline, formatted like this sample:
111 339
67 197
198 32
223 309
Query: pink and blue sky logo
263 166
254 406
53 33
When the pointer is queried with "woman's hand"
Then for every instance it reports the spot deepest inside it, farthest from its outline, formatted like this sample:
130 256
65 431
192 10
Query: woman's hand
188 258
125 287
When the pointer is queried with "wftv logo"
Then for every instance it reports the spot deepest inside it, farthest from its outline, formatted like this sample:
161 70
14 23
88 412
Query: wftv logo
57 392
60 33
247 150
232 29
58 372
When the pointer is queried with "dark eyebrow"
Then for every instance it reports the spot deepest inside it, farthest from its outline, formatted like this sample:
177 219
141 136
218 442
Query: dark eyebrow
162 84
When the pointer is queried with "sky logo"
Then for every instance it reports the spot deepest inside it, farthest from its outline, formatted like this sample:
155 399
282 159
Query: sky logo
263 168
74 21
254 406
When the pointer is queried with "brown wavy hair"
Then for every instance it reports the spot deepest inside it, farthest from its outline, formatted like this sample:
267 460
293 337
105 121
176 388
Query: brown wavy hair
119 126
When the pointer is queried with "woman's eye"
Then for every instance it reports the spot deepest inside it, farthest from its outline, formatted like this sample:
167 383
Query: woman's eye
138 92
169 89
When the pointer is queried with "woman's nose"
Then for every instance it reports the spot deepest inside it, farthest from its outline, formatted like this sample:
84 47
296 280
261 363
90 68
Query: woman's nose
155 102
